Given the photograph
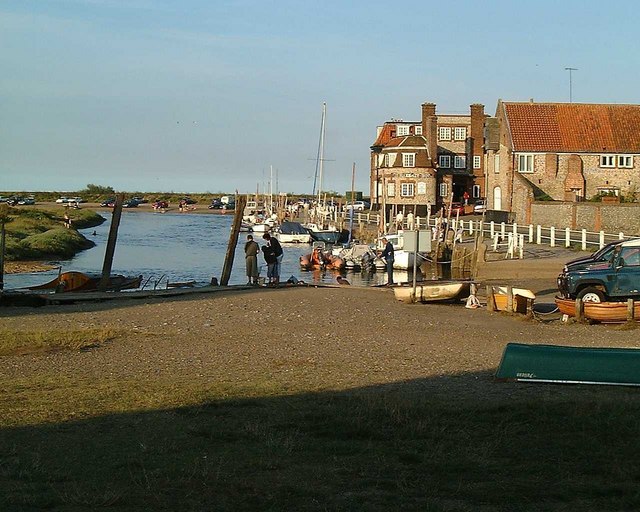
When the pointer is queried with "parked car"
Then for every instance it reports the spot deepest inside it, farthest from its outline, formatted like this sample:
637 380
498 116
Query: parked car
109 203
457 209
62 200
130 203
160 204
188 200
140 200
357 206
480 206
615 279
231 205
601 255
216 204
26 200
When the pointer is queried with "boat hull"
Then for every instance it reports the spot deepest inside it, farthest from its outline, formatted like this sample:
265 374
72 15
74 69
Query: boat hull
80 282
604 312
432 292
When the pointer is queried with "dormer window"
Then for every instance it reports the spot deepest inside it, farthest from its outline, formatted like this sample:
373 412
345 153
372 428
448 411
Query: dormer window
402 130
525 163
408 160
418 129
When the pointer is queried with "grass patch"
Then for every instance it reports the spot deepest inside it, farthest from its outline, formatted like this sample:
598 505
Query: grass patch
168 444
40 234
14 342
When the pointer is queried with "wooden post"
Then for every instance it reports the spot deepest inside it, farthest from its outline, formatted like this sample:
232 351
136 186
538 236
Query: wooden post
579 310
491 303
241 202
510 299
4 217
630 310
111 243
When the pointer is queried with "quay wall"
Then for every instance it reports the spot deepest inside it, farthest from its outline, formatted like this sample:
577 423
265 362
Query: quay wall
610 218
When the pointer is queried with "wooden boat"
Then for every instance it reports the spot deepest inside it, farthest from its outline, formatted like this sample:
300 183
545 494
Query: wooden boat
321 259
432 291
605 312
521 298
80 282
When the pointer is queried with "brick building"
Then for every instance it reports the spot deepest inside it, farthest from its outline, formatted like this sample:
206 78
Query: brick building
561 151
423 163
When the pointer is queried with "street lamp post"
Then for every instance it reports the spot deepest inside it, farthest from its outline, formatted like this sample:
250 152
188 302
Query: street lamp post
377 149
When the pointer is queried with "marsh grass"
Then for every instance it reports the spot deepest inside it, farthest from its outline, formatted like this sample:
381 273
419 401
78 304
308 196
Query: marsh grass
170 444
16 342
38 233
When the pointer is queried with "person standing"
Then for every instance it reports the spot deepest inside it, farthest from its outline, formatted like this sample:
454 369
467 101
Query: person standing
388 256
251 250
277 250
270 259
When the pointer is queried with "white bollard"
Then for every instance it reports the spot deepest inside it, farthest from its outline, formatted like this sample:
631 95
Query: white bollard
503 230
471 227
492 229
515 229
538 234
521 246
601 239
530 233
552 236
584 239
567 237
621 235
495 242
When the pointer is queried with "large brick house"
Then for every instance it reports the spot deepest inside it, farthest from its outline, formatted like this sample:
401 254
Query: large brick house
561 151
422 164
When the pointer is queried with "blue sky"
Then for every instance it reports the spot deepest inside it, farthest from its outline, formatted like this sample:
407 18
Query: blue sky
206 95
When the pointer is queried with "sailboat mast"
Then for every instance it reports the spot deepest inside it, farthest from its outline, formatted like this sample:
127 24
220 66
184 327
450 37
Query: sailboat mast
322 133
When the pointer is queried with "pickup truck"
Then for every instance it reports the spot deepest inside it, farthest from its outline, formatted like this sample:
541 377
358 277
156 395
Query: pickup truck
616 279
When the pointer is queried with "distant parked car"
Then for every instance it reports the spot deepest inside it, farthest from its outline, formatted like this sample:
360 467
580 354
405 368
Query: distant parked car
109 203
130 203
231 205
141 200
357 206
480 206
26 200
62 200
188 200
160 204
457 209
216 204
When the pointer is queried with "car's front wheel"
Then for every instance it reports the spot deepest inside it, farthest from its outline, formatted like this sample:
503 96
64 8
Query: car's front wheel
591 294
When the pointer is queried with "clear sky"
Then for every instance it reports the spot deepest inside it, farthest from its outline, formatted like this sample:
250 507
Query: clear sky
206 95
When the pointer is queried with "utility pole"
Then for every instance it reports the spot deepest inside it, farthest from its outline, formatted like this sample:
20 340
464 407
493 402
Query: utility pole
571 70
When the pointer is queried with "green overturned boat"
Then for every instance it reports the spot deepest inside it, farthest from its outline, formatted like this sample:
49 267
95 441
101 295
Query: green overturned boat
570 365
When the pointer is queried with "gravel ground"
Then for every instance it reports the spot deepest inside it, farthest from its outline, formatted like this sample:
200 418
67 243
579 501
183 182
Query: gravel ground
311 339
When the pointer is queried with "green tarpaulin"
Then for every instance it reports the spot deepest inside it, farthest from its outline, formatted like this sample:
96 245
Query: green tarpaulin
553 363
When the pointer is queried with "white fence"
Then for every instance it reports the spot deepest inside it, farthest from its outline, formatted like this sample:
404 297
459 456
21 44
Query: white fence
513 236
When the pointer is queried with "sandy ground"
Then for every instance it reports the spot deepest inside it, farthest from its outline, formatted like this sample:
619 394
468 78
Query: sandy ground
318 338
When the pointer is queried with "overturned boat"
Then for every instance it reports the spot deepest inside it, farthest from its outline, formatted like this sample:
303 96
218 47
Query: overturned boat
73 281
432 291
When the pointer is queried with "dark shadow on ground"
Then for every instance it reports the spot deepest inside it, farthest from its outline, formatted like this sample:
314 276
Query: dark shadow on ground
411 445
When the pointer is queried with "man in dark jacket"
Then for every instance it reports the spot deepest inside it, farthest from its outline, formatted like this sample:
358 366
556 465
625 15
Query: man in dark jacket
388 256
277 249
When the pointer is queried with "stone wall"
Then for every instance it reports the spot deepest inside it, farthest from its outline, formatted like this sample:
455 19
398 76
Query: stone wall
610 218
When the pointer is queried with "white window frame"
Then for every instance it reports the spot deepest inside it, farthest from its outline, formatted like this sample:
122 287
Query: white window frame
402 130
607 161
407 189
525 163
418 129
444 161
477 160
386 160
443 189
444 133
422 188
459 162
460 133
391 189
408 159
625 161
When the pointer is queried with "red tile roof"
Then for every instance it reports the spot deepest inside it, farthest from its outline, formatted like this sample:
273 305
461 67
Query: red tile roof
574 127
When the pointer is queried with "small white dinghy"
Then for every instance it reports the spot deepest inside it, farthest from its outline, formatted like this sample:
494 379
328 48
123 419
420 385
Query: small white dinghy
432 291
